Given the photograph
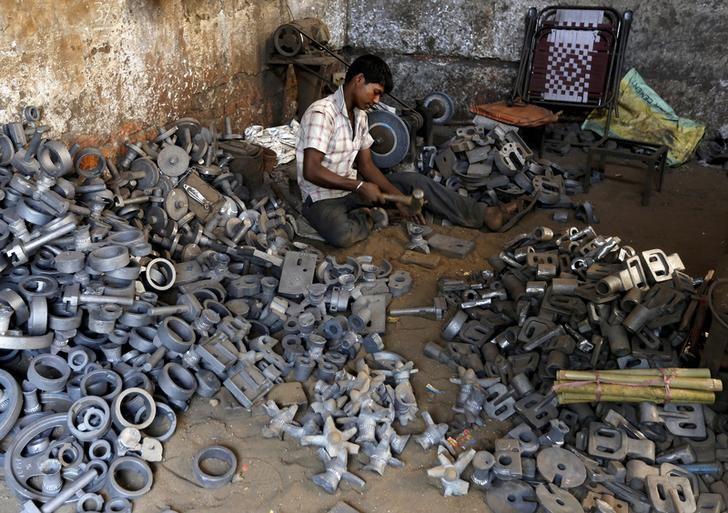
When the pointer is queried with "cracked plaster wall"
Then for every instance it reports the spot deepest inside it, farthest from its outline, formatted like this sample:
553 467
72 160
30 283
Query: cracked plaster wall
470 48
105 70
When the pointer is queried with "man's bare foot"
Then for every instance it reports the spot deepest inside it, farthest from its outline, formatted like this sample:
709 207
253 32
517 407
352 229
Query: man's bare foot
493 218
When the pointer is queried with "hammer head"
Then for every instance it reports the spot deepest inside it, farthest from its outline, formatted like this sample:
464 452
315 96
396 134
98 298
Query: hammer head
418 200
413 202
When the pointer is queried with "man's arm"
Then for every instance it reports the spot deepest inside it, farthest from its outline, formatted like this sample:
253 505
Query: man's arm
371 173
316 173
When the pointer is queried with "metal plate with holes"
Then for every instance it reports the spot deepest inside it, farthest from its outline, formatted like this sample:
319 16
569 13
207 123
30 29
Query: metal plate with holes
686 420
561 467
508 464
499 402
670 494
614 444
297 273
377 304
555 500
450 246
660 266
536 409
511 497
445 160
527 439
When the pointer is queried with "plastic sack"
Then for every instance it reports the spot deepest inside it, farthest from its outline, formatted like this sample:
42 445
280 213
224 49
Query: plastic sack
281 139
644 116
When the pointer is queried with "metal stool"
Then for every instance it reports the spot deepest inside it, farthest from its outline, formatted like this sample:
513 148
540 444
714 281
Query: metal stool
651 156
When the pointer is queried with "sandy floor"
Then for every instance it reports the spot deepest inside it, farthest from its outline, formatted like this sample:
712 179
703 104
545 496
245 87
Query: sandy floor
690 216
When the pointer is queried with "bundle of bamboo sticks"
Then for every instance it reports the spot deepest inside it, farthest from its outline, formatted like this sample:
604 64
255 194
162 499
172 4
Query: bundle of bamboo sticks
669 385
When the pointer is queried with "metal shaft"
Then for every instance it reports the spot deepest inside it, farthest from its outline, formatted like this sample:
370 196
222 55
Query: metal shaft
69 491
414 311
169 310
105 300
43 239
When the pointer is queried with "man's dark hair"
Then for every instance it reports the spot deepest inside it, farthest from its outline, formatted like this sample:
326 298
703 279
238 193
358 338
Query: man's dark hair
375 71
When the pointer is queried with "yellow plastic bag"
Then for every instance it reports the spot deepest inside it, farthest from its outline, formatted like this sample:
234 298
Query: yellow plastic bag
644 116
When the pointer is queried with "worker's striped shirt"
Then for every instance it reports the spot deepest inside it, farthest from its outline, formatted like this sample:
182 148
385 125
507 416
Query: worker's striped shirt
325 127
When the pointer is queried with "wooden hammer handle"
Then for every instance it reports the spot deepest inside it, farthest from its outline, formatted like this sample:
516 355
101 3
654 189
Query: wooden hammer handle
397 198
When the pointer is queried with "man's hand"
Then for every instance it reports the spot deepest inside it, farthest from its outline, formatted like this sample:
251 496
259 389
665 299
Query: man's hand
370 192
407 214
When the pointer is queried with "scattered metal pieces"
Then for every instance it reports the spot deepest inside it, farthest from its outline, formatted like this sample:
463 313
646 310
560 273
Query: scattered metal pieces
564 302
494 165
90 248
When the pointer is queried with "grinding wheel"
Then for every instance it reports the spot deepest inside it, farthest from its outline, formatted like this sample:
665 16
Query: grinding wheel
441 106
391 138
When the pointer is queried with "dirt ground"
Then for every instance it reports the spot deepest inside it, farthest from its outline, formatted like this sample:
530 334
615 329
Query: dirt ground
690 217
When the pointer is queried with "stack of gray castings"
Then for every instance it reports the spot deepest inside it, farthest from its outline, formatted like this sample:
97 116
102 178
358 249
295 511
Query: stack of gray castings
495 166
575 300
126 289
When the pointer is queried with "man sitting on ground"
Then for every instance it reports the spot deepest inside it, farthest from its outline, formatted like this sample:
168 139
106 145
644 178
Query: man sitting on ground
338 198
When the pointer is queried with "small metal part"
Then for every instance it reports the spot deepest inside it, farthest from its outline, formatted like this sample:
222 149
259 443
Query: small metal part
448 472
507 459
614 444
437 310
670 494
556 500
143 482
217 452
417 240
173 160
433 433
89 418
140 404
400 283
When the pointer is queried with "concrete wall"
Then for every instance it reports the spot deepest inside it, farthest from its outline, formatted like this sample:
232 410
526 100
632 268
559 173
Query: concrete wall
104 70
470 48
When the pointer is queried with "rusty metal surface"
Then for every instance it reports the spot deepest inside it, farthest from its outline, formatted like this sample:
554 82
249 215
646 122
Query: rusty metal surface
144 62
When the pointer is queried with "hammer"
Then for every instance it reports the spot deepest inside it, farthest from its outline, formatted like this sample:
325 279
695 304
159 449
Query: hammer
414 202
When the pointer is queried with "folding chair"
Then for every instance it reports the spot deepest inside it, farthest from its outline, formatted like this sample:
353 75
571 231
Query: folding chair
572 57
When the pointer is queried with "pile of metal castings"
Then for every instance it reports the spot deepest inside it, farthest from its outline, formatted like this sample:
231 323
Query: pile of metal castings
496 166
364 406
344 310
713 148
127 289
576 300
562 137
